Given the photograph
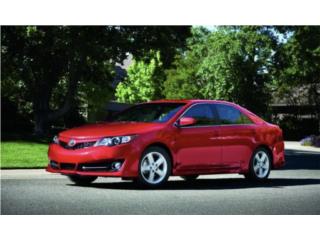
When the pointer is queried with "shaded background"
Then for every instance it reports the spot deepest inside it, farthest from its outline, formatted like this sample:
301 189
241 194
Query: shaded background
57 77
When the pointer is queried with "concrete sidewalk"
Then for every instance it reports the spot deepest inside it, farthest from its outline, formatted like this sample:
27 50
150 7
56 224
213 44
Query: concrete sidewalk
294 145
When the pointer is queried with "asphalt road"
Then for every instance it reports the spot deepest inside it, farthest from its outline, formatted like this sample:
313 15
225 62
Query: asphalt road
293 190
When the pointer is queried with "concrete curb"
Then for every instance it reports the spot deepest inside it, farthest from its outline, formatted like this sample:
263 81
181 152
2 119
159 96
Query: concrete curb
293 145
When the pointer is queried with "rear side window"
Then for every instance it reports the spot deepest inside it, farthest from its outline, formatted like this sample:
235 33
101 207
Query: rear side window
203 114
231 115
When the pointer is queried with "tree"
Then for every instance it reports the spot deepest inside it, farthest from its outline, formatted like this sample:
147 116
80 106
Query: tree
51 62
182 80
230 63
298 65
143 81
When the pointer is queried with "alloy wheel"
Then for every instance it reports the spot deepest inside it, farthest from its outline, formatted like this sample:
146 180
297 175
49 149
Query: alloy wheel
154 168
261 164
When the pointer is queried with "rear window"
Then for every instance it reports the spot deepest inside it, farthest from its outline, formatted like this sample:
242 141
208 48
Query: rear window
231 115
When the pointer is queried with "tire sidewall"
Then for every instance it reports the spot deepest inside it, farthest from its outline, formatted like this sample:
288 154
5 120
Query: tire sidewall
167 157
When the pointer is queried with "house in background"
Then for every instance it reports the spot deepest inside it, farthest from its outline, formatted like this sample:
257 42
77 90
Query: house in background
100 114
121 72
297 112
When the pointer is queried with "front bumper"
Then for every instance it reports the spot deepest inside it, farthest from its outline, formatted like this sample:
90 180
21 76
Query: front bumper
72 161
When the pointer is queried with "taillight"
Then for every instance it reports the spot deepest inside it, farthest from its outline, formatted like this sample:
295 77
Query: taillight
280 136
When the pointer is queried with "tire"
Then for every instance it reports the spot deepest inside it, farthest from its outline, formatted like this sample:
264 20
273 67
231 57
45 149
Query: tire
190 178
260 165
82 180
154 167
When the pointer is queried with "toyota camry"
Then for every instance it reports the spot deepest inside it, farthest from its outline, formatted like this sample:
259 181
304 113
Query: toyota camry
151 141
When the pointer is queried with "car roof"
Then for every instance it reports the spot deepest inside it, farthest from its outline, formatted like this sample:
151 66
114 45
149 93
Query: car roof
188 101
253 116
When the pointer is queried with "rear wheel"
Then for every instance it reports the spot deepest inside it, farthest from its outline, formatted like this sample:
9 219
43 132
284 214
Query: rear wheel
260 165
190 178
154 166
82 180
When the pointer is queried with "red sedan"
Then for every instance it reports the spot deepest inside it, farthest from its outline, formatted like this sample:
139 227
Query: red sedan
150 142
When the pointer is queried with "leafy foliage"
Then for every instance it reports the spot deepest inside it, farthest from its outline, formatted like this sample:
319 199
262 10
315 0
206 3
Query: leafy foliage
57 68
143 81
231 63
298 64
51 73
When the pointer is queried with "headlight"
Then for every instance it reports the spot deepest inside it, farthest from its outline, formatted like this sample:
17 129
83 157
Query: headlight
55 139
113 141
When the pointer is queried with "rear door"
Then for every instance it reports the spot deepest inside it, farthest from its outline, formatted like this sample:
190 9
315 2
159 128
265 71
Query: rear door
236 134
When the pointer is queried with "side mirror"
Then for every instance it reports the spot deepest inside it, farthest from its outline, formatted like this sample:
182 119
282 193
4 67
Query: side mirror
186 121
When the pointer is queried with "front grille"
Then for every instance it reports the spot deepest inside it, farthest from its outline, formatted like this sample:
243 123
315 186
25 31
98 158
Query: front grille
77 146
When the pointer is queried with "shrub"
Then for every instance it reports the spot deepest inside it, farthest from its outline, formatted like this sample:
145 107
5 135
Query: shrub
312 140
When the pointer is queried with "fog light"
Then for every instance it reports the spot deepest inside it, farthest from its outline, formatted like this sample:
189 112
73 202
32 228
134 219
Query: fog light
54 164
116 165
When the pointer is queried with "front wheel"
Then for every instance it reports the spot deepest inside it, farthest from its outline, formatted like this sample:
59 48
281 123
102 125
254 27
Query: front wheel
82 180
260 165
154 166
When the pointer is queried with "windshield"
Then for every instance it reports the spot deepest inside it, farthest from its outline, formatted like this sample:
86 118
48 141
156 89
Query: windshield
148 112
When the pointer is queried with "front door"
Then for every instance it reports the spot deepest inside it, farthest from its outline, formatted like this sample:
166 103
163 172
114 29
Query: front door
198 146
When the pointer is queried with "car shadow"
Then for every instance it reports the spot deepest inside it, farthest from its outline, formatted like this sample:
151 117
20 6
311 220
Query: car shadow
295 160
208 184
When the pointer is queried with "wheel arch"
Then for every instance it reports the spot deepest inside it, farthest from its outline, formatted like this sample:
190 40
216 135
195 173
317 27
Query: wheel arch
165 147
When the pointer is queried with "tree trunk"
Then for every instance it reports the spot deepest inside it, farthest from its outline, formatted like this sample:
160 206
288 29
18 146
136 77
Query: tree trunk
41 110
43 114
314 93
41 126
74 77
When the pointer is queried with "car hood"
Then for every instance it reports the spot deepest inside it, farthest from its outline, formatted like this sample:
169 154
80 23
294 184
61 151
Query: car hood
98 130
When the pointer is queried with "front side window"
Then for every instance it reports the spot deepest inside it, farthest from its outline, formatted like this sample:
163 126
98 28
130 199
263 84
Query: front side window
231 115
149 112
202 113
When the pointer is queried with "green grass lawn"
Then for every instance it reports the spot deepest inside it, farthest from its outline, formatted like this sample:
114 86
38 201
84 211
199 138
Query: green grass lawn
20 154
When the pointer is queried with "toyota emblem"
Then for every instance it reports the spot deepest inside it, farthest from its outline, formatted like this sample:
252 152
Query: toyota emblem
71 143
